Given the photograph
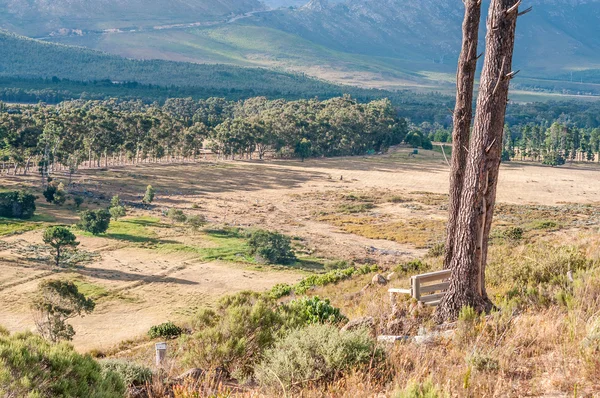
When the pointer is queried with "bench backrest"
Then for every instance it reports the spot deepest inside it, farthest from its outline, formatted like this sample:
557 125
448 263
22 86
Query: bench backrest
431 287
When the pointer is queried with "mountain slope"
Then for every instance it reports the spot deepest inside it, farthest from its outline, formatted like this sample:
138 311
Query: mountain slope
42 17
28 58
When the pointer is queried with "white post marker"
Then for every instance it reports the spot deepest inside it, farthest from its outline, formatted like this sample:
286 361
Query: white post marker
161 353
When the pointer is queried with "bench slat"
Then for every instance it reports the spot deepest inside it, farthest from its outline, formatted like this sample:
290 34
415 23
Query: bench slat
435 288
432 297
400 291
432 276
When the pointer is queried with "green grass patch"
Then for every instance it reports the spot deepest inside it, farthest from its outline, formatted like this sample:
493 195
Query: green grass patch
134 230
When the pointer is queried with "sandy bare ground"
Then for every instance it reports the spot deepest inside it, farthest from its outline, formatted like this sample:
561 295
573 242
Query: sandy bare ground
146 287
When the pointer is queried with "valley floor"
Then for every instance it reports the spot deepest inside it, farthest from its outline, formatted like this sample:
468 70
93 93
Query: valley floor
147 270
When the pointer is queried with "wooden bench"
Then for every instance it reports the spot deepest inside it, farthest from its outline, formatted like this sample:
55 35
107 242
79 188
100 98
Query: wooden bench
428 288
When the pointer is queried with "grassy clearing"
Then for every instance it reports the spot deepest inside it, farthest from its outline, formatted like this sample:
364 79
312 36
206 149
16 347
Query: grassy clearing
11 226
421 233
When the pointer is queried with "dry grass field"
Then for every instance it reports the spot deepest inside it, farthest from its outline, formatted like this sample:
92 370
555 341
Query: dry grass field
147 270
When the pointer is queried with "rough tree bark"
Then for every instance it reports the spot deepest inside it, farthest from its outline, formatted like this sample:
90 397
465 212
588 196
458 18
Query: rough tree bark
478 197
463 113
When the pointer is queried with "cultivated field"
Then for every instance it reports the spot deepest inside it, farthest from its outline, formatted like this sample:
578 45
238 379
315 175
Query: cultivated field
147 270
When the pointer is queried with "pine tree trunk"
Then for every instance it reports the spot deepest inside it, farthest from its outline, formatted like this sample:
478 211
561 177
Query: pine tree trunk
467 283
463 113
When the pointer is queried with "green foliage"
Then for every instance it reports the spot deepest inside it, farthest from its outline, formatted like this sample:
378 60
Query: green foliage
49 193
33 367
437 250
514 234
415 389
234 335
59 237
309 310
196 222
482 363
412 267
57 302
95 222
554 159
149 195
167 330
272 247
117 212
330 278
17 204
280 290
335 265
176 215
78 200
130 373
316 353
115 201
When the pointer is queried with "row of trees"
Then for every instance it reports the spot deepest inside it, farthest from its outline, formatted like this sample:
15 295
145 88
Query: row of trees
99 134
543 142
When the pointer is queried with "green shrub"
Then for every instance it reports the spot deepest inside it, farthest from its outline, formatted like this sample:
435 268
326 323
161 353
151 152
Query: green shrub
196 222
149 195
316 353
333 265
234 335
167 330
59 237
130 373
49 193
17 204
437 250
514 233
78 200
544 224
280 290
94 221
412 267
117 212
354 208
309 310
33 367
176 215
272 247
482 363
415 389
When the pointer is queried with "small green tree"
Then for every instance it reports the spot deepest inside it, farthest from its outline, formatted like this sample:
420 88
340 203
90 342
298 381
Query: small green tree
117 212
60 196
176 215
115 201
94 221
196 222
78 200
149 195
303 149
59 237
57 302
273 247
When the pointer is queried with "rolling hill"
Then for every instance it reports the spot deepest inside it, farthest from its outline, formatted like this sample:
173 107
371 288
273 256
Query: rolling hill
44 17
370 43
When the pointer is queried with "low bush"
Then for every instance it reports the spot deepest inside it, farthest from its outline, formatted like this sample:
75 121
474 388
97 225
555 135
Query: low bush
437 250
415 389
412 267
130 373
32 367
234 335
317 353
513 234
166 330
309 310
176 215
334 265
17 204
272 247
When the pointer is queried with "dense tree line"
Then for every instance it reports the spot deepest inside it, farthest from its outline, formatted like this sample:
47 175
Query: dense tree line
102 133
